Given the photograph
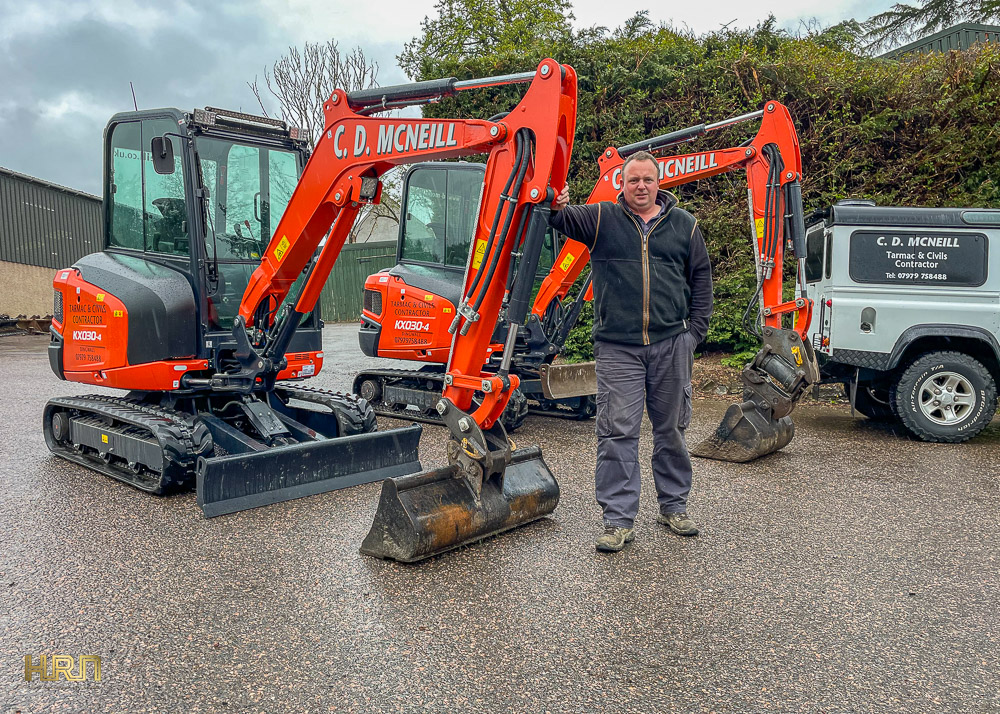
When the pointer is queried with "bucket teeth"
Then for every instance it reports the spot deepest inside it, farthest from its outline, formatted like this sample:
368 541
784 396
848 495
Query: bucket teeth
746 434
428 513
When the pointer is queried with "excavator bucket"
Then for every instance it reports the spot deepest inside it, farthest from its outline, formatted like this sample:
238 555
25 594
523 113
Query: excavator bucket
773 383
746 433
237 482
428 513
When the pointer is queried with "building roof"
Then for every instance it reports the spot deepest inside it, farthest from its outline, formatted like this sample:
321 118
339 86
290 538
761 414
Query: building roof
958 37
47 184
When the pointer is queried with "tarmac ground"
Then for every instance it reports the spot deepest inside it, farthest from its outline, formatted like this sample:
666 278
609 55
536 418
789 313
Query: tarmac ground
854 571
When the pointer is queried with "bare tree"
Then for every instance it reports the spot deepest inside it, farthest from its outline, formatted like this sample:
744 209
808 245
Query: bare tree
301 81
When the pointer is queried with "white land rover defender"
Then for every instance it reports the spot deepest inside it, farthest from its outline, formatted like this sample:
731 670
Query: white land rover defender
907 313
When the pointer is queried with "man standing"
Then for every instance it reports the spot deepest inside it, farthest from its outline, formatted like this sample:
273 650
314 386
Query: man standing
652 301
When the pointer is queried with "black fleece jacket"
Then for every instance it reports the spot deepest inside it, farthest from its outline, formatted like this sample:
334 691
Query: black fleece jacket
649 283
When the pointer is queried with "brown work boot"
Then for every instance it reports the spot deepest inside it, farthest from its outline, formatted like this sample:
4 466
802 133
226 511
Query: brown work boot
614 539
679 523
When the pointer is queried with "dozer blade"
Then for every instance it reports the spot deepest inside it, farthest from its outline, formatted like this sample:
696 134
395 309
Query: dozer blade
746 434
227 484
435 511
563 381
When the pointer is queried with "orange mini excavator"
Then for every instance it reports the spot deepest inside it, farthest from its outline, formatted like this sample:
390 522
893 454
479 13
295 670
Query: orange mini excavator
409 308
159 312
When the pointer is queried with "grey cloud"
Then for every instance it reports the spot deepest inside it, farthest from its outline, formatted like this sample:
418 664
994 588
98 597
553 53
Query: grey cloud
179 65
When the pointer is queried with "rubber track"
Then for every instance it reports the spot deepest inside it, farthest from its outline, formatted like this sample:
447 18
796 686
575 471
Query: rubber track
382 408
395 412
182 439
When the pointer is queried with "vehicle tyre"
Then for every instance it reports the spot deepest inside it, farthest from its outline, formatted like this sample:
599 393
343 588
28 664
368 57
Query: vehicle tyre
945 397
873 399
354 413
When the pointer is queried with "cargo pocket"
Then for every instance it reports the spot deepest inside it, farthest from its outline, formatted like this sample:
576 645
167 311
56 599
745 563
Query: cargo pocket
602 425
685 418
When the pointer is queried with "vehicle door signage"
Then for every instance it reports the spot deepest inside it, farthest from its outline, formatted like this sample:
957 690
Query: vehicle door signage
919 258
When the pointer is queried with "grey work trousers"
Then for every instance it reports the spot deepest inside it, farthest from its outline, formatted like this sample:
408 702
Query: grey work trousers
661 373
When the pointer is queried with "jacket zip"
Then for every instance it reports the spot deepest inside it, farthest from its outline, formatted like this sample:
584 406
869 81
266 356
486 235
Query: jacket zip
645 273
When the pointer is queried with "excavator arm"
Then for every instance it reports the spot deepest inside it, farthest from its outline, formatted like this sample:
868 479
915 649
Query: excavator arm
786 365
528 150
487 486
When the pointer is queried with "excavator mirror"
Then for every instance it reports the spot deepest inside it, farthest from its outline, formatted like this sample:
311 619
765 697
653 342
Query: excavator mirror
163 155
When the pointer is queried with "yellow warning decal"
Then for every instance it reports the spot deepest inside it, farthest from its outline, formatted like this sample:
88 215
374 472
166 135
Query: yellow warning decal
428 298
567 261
119 313
798 356
104 438
100 297
282 248
447 310
759 226
477 258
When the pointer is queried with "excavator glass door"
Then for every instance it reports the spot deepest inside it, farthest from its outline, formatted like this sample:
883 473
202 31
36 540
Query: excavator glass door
249 187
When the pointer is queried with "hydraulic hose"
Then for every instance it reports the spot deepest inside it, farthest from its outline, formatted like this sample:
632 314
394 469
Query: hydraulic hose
504 232
518 157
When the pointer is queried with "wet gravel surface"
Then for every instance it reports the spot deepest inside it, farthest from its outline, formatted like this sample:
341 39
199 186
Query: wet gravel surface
854 571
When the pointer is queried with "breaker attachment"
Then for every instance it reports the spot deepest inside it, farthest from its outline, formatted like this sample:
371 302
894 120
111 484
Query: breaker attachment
485 489
773 383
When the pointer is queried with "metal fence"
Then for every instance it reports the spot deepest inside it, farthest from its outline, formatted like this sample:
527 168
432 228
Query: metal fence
342 294
44 224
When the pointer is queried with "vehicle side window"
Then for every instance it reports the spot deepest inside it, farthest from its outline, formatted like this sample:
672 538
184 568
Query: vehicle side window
125 198
829 255
464 190
148 210
165 210
442 206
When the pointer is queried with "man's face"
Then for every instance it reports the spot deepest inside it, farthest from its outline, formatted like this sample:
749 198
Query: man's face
641 181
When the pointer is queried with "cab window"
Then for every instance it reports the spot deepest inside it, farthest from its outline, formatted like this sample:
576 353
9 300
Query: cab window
439 224
148 211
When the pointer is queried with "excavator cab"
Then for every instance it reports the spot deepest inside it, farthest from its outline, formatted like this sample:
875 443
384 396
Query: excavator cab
193 198
408 308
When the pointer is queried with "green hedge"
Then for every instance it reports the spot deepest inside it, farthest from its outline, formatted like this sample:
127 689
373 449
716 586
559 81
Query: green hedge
920 132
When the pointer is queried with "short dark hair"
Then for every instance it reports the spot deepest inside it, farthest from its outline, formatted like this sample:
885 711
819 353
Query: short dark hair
640 156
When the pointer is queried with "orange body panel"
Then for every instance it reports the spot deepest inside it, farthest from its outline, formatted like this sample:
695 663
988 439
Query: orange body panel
95 344
94 327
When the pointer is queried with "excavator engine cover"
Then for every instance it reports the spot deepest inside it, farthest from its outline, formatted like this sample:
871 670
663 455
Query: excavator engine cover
428 513
772 384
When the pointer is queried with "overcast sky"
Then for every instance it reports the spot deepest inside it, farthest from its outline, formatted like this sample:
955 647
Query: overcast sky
65 65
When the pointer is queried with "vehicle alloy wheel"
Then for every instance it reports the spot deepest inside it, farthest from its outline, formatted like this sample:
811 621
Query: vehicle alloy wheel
945 397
